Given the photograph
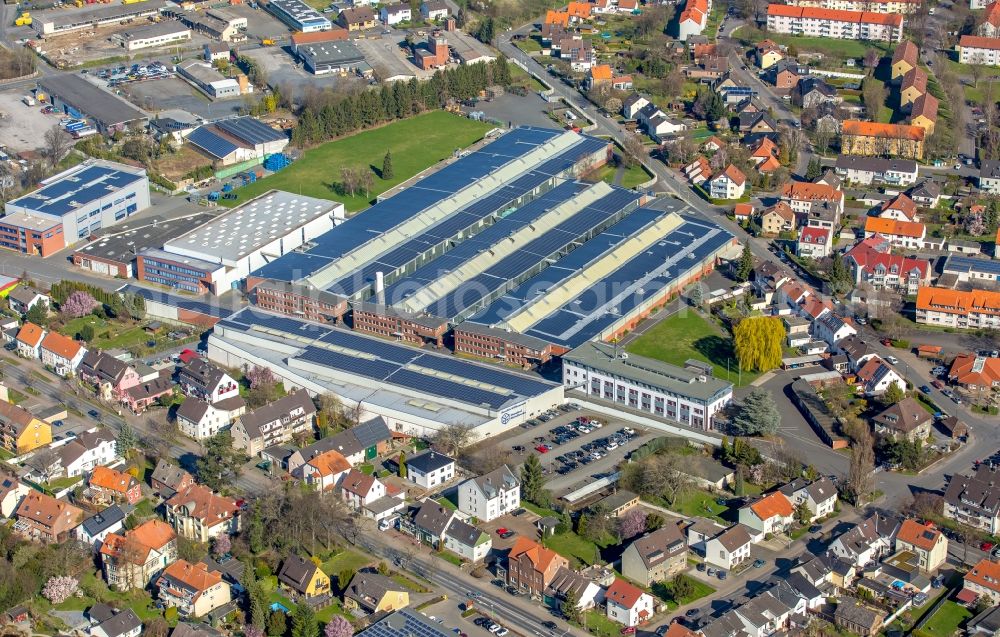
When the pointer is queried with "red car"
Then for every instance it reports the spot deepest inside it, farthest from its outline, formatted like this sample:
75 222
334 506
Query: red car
937 384
986 546
501 530
542 448
628 630
887 342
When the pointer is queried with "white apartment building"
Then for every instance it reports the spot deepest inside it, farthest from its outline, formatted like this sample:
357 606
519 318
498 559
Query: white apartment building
831 23
490 495
872 6
975 49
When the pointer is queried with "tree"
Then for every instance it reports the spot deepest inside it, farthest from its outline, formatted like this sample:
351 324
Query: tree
654 521
861 474
873 94
532 479
277 624
744 267
680 587
37 314
78 304
256 598
633 149
708 105
570 606
126 440
402 464
344 578
757 341
893 394
304 621
452 439
814 169
156 627
696 294
632 523
757 415
220 463
221 545
60 588
338 627
802 513
86 333
263 386
252 631
839 275
56 144
387 173
486 31
871 59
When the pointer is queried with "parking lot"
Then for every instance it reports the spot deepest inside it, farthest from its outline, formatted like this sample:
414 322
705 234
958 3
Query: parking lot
572 456
173 92
289 76
22 127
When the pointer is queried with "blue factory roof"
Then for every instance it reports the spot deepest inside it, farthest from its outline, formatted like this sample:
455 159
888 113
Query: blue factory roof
391 212
77 189
956 263
601 304
389 364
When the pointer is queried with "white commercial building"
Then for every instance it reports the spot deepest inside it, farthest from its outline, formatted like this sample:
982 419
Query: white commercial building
151 35
685 395
212 83
219 254
830 23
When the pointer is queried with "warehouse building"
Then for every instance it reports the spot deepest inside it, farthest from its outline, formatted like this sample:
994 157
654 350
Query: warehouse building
233 141
684 395
114 254
60 21
73 94
217 255
334 57
212 83
218 24
73 205
417 392
151 35
299 15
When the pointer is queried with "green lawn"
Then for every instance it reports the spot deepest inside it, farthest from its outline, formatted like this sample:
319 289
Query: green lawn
945 621
835 48
416 144
539 511
570 545
446 503
529 45
62 483
686 335
699 589
138 601
698 502
634 176
598 623
114 334
448 556
346 559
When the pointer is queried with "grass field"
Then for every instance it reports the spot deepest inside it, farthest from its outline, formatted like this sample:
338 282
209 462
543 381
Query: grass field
945 621
697 502
699 589
835 48
416 144
687 335
570 545
346 559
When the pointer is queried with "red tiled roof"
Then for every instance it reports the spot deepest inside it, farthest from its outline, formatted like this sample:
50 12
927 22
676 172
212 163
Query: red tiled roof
807 191
815 235
61 345
111 479
623 593
540 556
957 301
892 227
771 505
986 573
30 334
868 257
878 129
903 204
835 15
979 42
919 535
906 52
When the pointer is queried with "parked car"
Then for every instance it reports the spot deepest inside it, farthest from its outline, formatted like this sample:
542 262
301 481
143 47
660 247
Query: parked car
892 360
925 389
758 563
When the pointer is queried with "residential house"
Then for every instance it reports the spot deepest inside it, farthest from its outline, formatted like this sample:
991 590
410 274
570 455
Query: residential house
768 54
274 423
986 623
466 541
12 490
573 48
200 419
861 620
199 514
627 603
811 92
698 171
768 613
882 140
86 451
904 59
23 297
357 18
358 444
924 112
430 469
786 75
926 193
928 543
814 204
195 629
359 489
325 471
827 570
730 183
632 104
989 177
531 567
814 242
990 25
111 376
168 478
764 154
203 380
759 122
109 622
974 372
61 353
743 212
777 219
429 522
906 419
871 261
907 235
899 208
975 309
490 496
729 548
192 589
867 170
41 517
984 580
140 397
619 502
699 531
567 582
655 557
975 500
303 577
866 541
111 485
819 496
772 513
21 431
375 593
392 14
659 127
914 85
832 329
434 10
95 529
876 376
134 558
29 341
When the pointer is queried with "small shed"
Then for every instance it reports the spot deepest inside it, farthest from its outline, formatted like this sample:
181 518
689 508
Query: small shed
547 525
931 352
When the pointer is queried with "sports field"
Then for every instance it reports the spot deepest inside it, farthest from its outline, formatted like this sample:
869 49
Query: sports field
416 144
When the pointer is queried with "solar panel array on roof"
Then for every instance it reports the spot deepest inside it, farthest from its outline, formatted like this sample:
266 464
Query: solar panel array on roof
388 214
77 189
212 143
250 130
591 219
